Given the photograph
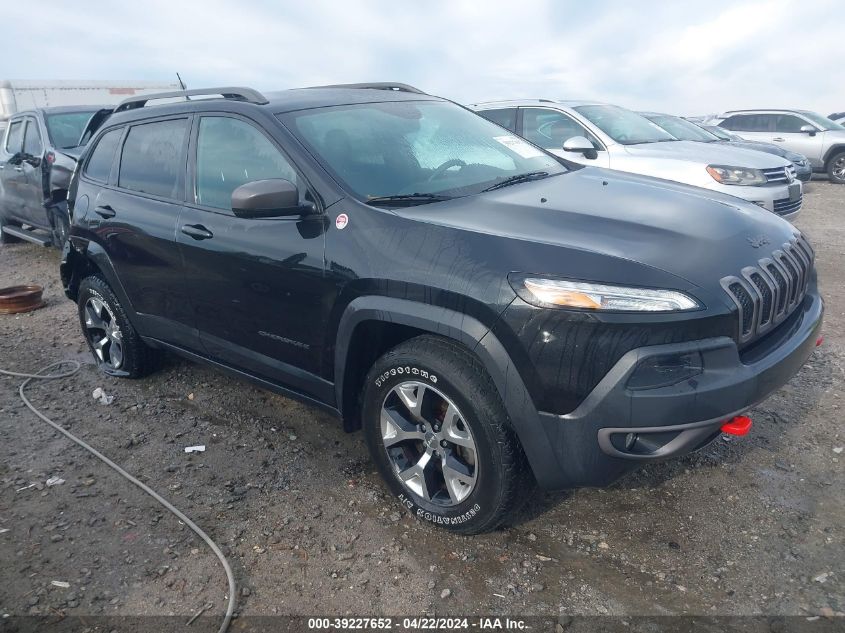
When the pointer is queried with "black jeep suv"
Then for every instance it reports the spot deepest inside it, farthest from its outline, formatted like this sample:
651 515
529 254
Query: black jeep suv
491 316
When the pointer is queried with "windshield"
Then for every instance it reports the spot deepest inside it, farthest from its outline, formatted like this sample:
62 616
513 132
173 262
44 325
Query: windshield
682 129
715 130
433 148
822 121
65 129
624 126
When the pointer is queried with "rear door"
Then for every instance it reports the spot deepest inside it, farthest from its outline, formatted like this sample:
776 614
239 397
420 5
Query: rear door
11 170
754 127
32 185
134 216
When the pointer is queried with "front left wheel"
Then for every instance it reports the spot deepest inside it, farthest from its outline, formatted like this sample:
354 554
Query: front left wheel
441 438
116 346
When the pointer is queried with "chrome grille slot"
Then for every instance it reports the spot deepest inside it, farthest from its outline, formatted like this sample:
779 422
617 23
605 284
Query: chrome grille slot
767 293
777 174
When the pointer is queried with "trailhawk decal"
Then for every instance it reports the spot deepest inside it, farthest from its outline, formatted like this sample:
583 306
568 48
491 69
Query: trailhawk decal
439 518
405 371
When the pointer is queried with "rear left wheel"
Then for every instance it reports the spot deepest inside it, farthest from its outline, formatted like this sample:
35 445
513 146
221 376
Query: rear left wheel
60 226
116 346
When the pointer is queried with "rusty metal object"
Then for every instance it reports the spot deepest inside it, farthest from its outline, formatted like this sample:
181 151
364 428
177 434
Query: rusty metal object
17 299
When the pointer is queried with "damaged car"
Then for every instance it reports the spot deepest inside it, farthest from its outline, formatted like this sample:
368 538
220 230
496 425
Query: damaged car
37 158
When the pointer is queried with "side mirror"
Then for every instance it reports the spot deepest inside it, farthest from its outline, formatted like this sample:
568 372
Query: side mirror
270 198
808 129
580 145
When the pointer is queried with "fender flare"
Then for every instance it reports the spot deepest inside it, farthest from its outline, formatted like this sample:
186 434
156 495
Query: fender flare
77 253
479 340
831 152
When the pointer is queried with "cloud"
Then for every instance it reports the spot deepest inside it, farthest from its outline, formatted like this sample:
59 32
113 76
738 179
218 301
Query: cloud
686 56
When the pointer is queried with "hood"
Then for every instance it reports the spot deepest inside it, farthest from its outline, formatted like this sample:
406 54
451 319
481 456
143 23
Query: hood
707 154
769 148
688 232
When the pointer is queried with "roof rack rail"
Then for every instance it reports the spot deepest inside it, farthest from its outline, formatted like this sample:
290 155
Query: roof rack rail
236 94
377 85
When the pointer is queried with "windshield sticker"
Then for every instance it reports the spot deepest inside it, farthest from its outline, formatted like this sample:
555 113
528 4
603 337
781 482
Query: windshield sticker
515 144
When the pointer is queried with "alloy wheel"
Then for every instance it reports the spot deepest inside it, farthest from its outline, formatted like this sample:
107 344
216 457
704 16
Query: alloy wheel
429 443
103 332
839 168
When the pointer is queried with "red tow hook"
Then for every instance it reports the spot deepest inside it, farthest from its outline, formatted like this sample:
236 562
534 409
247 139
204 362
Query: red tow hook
819 341
740 425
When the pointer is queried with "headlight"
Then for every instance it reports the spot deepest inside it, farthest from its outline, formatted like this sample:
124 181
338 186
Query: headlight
736 175
579 294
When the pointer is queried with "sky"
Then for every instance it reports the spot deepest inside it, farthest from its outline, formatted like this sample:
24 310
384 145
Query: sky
684 57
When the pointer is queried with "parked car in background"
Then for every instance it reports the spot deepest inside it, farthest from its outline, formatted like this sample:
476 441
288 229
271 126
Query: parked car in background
19 95
37 157
491 317
688 131
606 135
837 117
818 138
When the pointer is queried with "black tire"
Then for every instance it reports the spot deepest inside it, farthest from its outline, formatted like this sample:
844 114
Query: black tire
836 168
60 226
501 475
137 359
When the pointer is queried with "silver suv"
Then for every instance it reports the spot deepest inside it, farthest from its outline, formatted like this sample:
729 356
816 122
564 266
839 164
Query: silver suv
604 135
817 137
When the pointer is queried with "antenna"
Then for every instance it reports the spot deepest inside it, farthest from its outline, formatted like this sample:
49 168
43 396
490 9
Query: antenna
181 83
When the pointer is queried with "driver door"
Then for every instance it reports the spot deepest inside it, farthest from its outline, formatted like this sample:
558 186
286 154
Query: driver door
256 284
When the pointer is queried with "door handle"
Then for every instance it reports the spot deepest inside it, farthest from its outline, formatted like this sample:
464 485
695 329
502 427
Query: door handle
197 231
779 139
18 168
104 211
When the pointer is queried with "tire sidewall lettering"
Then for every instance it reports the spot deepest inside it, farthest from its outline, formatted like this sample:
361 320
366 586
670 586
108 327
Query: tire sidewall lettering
405 370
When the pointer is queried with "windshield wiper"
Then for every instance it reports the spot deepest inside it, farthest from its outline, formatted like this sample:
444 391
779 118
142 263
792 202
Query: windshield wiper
513 180
408 198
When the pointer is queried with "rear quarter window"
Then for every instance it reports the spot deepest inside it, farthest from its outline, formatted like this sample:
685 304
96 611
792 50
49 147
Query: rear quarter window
152 159
99 165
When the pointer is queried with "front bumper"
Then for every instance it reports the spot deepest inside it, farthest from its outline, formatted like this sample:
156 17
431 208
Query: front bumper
615 427
784 200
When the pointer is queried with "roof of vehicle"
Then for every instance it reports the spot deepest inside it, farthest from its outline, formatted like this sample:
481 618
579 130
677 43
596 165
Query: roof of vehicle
567 103
766 110
62 109
275 102
650 114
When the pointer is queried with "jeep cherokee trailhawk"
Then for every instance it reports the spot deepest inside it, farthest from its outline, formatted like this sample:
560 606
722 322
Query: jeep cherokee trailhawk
492 316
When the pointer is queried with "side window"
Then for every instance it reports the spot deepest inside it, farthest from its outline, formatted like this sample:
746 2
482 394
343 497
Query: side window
231 153
506 117
32 139
13 140
740 123
152 159
99 165
549 129
789 123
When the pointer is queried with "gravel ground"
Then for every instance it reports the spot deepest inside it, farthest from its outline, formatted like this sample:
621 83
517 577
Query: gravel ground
746 526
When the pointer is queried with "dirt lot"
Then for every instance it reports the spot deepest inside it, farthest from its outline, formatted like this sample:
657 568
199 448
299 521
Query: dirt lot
747 526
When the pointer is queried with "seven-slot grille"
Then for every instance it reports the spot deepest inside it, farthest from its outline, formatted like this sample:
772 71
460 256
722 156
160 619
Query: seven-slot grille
779 174
767 293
